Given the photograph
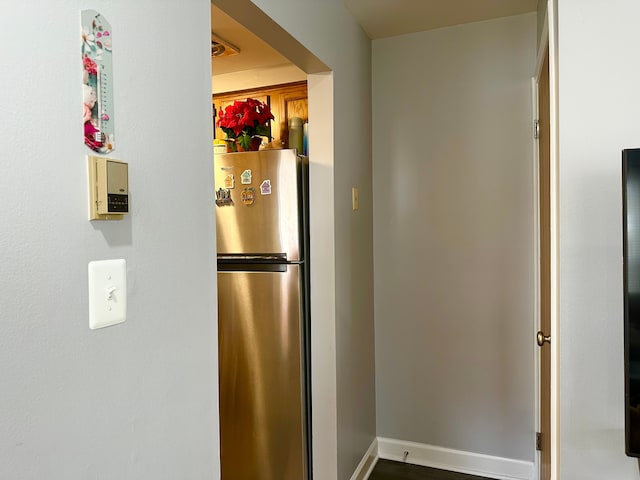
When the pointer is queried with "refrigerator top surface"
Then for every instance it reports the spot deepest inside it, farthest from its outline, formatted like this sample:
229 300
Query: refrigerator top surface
260 204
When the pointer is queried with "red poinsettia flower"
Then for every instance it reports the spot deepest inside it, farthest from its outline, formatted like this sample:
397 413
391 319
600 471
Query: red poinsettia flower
245 119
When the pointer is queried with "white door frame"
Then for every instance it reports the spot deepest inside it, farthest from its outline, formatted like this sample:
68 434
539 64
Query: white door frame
536 263
552 10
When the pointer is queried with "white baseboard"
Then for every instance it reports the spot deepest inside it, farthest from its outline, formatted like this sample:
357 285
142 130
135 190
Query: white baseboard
455 460
365 467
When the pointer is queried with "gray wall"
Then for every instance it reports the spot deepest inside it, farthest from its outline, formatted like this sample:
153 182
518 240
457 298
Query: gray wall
137 400
347 356
542 14
599 102
453 229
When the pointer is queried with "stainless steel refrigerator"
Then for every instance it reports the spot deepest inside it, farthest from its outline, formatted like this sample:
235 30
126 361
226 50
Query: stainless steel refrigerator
263 315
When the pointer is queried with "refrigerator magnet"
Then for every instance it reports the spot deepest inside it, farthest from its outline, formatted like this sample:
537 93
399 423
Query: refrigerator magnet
223 197
248 196
229 181
246 177
265 187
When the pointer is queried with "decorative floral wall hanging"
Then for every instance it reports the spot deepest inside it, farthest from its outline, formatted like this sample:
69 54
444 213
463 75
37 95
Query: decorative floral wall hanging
97 82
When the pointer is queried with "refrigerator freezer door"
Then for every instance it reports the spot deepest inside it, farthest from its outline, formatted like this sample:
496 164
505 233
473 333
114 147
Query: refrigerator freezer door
259 203
262 434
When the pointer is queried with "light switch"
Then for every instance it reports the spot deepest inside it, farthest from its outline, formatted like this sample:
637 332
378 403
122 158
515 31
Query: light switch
107 293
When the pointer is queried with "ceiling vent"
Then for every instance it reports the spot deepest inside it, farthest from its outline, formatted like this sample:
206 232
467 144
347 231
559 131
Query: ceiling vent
221 48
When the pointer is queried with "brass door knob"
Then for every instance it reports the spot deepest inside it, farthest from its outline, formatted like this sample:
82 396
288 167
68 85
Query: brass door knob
541 338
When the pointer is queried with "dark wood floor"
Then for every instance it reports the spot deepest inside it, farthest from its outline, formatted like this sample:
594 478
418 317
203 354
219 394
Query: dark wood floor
388 470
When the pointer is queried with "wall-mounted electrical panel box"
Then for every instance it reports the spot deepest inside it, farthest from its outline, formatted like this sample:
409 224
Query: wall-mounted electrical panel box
108 188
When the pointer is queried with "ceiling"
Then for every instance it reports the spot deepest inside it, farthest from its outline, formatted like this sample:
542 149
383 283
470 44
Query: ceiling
379 19
389 18
254 53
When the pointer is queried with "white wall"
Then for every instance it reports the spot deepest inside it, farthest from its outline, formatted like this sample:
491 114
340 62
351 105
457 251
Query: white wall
598 103
329 31
138 400
453 229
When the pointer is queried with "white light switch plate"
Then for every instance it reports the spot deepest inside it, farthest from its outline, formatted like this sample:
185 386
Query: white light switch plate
107 293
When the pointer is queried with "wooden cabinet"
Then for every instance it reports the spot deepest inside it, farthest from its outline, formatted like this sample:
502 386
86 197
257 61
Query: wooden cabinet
286 101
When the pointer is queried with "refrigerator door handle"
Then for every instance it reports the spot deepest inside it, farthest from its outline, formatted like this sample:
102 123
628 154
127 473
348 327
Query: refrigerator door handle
253 267
263 257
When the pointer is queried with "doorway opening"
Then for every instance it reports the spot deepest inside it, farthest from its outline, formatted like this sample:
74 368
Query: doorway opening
321 184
